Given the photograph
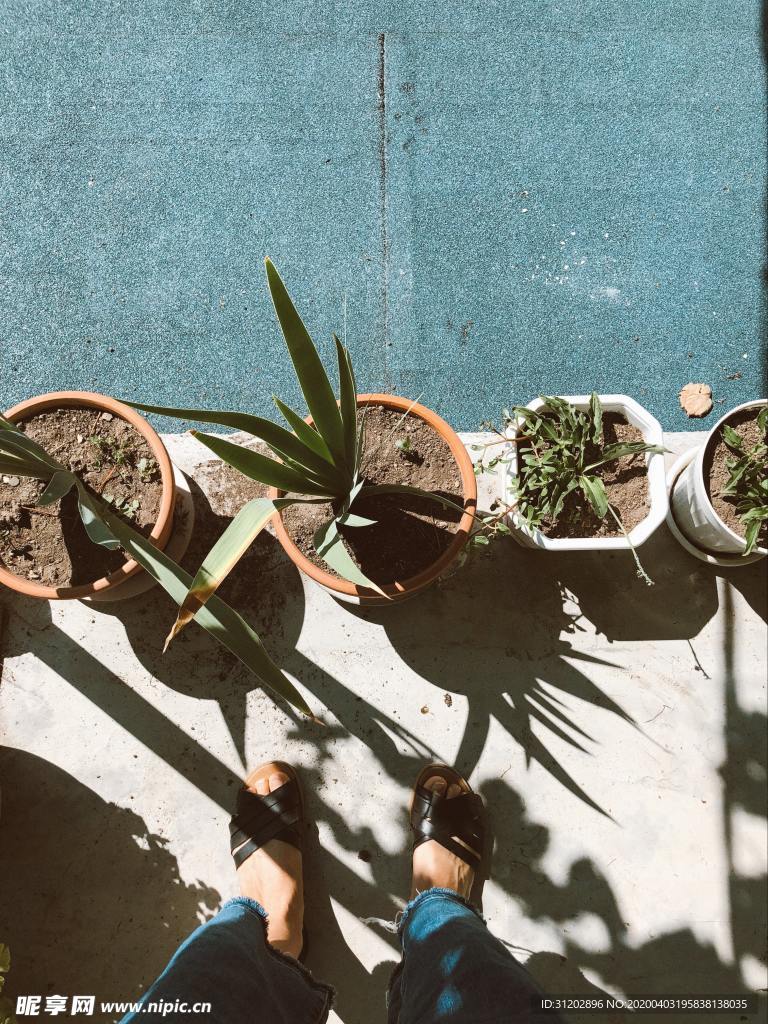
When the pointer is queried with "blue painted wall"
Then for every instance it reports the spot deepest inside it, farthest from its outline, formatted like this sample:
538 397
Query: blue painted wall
514 197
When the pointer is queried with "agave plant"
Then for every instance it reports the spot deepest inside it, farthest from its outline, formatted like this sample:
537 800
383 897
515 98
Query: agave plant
21 456
316 462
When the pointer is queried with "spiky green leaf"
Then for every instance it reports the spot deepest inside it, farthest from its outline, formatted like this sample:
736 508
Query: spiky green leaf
751 535
303 430
285 444
596 415
260 467
310 372
347 402
329 544
611 452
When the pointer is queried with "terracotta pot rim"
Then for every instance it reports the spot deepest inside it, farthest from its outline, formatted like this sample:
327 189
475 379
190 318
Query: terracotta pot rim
427 576
164 524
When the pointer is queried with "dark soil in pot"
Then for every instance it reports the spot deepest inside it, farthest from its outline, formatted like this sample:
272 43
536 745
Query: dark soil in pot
49 545
410 533
626 484
716 472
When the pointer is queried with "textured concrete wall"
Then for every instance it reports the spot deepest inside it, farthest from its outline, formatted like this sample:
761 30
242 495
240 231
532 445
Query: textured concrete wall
514 197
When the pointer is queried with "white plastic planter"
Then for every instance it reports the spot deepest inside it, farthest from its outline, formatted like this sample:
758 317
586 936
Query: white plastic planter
657 489
693 511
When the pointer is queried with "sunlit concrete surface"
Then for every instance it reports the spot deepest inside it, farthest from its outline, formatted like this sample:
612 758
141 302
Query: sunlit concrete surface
617 732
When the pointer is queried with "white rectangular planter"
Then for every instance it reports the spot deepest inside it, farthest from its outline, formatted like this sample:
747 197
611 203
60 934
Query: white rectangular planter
657 489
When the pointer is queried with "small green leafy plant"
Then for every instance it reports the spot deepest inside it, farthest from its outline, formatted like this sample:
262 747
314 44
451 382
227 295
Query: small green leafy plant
126 508
315 462
148 470
561 449
6 1012
110 451
21 456
748 479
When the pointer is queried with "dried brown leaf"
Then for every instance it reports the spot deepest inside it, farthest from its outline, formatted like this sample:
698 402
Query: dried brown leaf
696 399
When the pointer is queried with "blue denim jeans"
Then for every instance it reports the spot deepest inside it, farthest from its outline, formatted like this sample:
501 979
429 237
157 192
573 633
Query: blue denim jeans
453 971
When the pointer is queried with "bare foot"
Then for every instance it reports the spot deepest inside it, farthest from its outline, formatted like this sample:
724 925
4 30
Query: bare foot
273 877
433 865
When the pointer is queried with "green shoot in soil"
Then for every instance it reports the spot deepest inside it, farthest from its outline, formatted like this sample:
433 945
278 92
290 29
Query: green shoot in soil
748 480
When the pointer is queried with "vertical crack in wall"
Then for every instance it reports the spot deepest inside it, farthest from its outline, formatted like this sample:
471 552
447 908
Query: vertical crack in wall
381 107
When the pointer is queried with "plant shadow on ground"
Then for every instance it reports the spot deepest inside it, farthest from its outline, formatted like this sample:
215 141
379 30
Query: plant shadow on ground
87 893
450 636
504 633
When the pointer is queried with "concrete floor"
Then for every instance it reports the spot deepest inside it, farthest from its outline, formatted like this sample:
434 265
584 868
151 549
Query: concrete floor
617 731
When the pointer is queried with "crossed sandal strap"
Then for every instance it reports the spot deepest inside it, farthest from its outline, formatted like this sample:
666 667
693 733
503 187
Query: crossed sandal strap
261 818
433 816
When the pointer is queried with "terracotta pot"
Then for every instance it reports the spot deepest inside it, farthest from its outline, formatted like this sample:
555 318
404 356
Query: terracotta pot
162 528
404 589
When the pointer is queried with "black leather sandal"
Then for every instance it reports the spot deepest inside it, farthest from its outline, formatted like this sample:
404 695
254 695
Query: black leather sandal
278 815
457 824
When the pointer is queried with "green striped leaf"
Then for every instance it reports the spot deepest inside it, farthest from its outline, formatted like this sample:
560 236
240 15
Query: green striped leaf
94 520
224 556
216 617
417 492
594 489
349 519
11 466
13 442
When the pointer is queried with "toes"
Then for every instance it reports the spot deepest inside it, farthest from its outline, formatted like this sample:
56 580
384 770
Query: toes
276 780
439 785
267 784
436 784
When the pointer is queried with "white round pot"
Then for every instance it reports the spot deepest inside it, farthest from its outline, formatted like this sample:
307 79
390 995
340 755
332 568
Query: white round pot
694 513
652 433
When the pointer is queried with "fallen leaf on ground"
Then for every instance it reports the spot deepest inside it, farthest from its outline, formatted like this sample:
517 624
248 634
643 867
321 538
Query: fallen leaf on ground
696 399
